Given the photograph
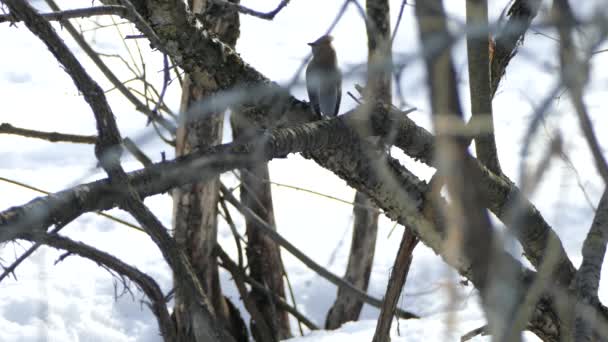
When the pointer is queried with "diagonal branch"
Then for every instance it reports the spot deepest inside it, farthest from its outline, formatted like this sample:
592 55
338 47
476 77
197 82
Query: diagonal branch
143 281
334 279
6 128
588 275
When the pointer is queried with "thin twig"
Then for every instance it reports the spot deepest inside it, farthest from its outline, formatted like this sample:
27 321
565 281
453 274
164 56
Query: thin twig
245 10
50 136
106 71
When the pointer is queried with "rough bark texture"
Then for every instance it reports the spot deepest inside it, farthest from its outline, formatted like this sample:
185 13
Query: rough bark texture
346 307
195 205
334 146
263 254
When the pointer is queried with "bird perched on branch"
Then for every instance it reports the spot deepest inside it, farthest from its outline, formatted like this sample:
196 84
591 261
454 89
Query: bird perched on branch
323 78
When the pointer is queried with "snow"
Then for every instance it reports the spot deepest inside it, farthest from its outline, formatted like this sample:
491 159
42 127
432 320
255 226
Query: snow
75 300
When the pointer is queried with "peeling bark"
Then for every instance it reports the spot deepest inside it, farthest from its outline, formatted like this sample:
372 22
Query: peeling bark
195 205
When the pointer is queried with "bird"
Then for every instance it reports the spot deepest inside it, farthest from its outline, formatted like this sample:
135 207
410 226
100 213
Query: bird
323 78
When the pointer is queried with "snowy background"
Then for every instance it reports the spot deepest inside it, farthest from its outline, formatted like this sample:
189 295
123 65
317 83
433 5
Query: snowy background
75 300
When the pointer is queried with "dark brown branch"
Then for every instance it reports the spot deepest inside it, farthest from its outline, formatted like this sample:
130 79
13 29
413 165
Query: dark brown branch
396 282
262 329
120 11
245 10
235 270
6 128
143 281
483 331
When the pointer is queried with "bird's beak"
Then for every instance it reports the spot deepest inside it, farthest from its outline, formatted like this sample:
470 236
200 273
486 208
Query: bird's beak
311 44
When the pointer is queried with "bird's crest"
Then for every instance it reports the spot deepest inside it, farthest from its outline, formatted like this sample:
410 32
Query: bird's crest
327 39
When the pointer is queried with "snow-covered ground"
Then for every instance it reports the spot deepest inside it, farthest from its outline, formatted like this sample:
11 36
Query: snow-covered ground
75 300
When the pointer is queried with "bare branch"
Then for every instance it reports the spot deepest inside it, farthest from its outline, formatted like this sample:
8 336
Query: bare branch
50 136
396 282
575 73
143 281
304 258
120 11
245 10
588 275
108 73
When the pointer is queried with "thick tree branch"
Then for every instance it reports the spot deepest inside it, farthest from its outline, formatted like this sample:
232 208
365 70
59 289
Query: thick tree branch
479 82
330 135
588 275
198 51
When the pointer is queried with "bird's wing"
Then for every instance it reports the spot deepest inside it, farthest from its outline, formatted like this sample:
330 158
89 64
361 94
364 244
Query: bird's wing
312 88
338 92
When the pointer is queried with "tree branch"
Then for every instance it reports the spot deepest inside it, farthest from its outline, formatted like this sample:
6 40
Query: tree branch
6 128
245 10
479 82
120 11
143 281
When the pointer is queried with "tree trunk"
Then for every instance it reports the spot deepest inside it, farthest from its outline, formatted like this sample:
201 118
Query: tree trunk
263 255
346 307
195 205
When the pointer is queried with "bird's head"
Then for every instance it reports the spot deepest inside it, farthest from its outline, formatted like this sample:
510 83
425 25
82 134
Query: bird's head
322 44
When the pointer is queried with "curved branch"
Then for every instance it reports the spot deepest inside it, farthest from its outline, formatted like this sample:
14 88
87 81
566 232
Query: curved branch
143 281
